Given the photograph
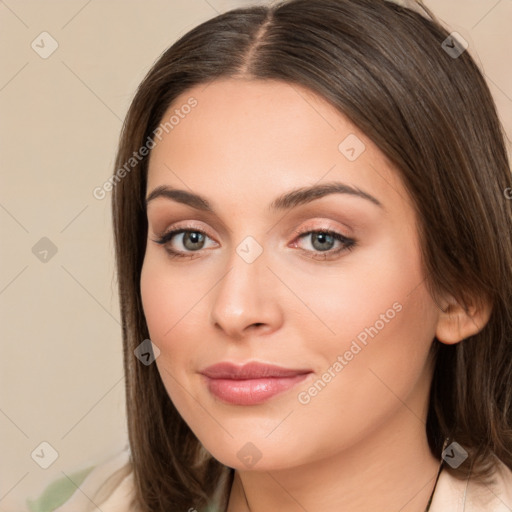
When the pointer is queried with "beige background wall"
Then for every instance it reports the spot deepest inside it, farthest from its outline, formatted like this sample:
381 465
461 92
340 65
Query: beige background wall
60 117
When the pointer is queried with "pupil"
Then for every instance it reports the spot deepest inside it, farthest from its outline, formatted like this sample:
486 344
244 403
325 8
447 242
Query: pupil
194 237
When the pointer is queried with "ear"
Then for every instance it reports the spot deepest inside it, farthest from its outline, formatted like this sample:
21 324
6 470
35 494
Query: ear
456 323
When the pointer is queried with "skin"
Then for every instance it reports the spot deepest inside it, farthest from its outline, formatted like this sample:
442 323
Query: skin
360 443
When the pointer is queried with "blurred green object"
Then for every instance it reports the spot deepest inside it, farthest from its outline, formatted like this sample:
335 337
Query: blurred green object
58 492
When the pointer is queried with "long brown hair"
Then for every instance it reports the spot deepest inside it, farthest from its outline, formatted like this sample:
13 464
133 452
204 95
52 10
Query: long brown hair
385 68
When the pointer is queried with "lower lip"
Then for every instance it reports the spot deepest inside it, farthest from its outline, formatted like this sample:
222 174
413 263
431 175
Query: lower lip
251 391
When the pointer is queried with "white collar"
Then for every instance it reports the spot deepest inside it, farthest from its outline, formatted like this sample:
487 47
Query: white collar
469 495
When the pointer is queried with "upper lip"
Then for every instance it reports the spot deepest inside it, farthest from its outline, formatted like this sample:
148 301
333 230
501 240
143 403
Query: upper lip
251 370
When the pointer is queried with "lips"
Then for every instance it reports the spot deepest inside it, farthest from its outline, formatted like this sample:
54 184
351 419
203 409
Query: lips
252 383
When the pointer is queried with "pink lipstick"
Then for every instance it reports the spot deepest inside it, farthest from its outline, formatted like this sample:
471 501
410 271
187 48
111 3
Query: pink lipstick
252 383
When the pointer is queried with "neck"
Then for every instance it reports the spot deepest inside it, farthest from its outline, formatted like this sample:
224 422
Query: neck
392 469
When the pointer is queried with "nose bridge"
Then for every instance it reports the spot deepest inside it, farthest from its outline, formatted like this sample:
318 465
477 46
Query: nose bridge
243 295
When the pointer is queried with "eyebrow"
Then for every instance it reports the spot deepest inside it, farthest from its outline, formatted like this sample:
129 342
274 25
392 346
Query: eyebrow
291 199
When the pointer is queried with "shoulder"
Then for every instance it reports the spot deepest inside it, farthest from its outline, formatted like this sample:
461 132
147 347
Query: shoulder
472 496
108 486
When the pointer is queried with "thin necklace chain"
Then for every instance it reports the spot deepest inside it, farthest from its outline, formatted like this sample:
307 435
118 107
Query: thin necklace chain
445 444
435 485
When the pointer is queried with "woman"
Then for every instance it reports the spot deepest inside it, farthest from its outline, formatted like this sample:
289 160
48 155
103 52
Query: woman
313 245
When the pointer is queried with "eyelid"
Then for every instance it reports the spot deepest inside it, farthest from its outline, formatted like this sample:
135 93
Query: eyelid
187 226
313 225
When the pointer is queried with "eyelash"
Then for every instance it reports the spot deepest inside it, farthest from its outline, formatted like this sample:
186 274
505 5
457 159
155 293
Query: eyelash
348 244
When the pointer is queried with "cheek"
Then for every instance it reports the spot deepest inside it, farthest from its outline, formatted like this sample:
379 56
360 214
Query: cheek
382 324
163 308
370 385
168 298
170 304
369 290
157 302
165 311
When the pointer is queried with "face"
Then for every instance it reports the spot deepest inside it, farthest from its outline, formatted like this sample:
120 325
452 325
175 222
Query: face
327 284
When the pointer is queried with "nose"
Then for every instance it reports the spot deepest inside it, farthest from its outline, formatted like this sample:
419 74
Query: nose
245 300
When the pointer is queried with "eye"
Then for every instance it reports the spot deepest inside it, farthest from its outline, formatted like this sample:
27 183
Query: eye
323 241
192 240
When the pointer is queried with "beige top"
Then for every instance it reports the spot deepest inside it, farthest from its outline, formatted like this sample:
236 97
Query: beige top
110 486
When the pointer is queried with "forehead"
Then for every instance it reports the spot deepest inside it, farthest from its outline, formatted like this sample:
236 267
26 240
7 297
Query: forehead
247 137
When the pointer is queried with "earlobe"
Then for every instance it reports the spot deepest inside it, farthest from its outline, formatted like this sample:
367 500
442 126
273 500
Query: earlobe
455 323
